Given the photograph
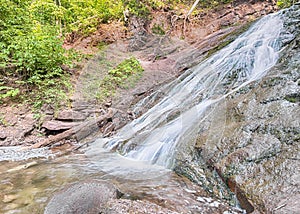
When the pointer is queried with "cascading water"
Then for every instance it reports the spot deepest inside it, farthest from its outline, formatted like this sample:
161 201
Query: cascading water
155 136
165 129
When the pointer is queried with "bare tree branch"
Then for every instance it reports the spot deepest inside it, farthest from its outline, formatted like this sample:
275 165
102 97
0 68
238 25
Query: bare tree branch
192 8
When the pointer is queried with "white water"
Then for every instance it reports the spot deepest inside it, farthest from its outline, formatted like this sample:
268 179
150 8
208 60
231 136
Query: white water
155 136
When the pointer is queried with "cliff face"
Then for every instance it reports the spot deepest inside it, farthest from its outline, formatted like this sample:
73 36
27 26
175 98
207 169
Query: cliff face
191 39
252 137
205 22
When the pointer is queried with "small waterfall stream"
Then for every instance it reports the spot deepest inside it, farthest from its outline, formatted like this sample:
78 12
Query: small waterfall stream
155 136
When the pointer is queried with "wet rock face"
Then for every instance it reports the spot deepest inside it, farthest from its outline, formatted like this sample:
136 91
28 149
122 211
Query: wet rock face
252 139
83 197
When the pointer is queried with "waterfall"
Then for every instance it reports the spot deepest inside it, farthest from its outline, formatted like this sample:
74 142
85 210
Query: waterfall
155 136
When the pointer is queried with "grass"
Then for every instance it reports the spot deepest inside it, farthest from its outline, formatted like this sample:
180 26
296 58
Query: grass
124 75
295 98
158 30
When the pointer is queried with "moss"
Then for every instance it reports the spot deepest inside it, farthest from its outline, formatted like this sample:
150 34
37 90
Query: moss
284 3
227 39
293 98
101 45
219 47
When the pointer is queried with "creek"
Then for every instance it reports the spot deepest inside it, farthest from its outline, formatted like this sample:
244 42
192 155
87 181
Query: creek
141 157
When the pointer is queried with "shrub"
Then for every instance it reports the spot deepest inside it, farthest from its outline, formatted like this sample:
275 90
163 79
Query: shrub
123 75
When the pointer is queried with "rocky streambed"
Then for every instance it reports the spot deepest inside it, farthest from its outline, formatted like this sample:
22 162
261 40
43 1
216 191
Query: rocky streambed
246 153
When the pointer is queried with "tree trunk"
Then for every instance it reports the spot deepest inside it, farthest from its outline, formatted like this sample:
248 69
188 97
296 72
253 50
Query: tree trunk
58 21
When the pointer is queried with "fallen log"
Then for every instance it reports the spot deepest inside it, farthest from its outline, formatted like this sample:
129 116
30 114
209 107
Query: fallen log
77 132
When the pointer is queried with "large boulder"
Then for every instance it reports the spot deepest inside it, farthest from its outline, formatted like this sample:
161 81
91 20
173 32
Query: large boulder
252 138
86 197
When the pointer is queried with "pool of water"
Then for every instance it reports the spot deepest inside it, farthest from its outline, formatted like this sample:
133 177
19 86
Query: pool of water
27 186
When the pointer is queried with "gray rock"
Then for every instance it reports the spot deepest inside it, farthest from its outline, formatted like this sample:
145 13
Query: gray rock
87 197
79 105
71 115
251 139
59 125
47 109
124 206
3 135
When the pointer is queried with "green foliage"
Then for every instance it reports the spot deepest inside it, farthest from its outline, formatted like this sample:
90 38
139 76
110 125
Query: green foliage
38 55
124 70
27 44
156 4
31 50
157 29
137 7
8 92
47 11
84 16
50 91
32 34
122 76
293 98
101 45
285 3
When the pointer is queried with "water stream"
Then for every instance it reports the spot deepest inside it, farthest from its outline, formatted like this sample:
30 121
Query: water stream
156 135
147 147
26 186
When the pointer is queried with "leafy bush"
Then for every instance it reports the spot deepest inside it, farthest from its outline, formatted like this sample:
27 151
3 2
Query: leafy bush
38 54
31 50
6 91
137 7
83 17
